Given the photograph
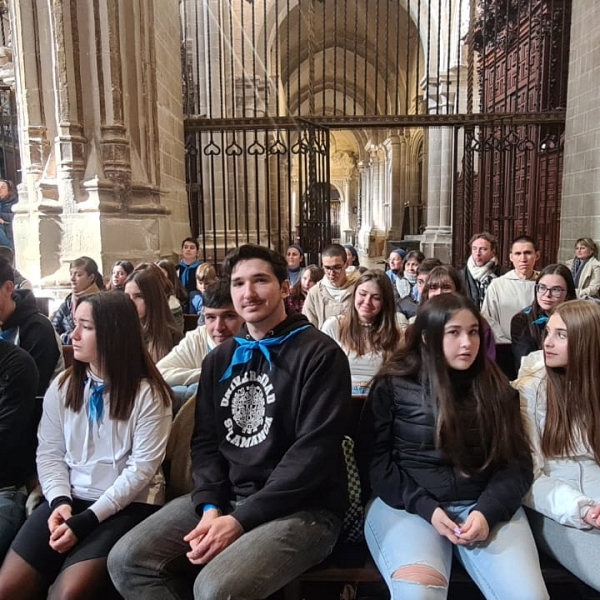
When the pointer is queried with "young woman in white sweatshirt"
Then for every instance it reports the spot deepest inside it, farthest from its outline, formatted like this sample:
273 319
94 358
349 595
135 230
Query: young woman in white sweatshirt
102 439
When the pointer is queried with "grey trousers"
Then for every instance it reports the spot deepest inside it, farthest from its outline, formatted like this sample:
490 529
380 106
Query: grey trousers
149 562
578 550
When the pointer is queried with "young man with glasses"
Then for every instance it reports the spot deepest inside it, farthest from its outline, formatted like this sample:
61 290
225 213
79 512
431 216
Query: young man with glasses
331 296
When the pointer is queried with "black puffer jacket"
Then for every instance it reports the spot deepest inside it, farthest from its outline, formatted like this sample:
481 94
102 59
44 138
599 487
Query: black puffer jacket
62 320
35 334
407 471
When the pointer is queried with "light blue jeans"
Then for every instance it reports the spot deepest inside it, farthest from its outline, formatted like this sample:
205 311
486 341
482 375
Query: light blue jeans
12 516
149 562
505 566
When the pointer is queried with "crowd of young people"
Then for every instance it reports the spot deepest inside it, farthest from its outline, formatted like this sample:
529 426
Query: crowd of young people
447 457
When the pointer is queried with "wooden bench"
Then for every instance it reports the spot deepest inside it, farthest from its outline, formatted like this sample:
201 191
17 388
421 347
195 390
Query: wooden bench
67 352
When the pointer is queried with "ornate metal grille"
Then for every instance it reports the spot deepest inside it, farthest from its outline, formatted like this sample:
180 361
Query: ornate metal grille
267 83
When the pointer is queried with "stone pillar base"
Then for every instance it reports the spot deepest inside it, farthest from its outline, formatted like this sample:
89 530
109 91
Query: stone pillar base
372 241
437 243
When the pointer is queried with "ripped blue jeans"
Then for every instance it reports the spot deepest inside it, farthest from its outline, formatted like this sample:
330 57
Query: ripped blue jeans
505 566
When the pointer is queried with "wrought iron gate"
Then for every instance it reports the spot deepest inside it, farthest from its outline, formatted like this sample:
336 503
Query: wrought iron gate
268 84
251 184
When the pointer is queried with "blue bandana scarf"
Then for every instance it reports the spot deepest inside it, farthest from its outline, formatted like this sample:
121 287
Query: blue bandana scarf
243 353
186 272
96 405
541 320
10 335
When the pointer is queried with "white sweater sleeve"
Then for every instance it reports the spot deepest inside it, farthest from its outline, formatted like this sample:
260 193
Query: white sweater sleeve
331 327
183 365
310 307
151 433
53 471
491 311
552 497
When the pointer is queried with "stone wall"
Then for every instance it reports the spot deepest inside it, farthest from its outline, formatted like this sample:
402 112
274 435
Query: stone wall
580 209
102 134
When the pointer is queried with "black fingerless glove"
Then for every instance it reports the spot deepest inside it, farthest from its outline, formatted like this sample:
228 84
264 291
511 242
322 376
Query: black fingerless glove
60 500
83 524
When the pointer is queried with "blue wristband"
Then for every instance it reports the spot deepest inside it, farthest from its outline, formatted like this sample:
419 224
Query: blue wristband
209 507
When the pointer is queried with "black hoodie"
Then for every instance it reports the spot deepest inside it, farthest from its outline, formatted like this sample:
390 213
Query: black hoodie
18 423
35 334
272 436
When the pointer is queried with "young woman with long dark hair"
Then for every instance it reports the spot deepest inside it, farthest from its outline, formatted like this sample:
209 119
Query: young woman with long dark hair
309 277
560 403
449 463
120 271
177 291
368 332
102 440
146 288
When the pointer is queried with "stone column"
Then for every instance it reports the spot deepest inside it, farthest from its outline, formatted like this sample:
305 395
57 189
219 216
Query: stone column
437 238
396 145
365 218
112 184
580 204
30 219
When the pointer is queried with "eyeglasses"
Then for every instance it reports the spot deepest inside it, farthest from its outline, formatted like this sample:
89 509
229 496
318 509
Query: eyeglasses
555 292
335 268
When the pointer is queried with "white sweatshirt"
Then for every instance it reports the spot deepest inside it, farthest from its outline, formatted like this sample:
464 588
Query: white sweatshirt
112 463
563 489
505 297
182 366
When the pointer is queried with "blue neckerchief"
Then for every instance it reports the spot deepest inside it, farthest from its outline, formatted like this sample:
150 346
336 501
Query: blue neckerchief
96 405
243 353
541 320
9 335
186 271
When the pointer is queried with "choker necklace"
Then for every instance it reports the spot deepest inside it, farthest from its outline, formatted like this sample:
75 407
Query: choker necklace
365 324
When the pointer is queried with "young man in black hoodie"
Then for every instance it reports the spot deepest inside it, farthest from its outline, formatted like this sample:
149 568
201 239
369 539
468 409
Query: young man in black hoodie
24 325
270 483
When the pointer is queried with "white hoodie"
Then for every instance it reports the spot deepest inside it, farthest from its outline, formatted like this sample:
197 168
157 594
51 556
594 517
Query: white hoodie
563 489
112 463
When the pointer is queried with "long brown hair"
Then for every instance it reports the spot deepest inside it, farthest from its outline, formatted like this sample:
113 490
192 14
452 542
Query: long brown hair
122 357
384 335
158 326
573 392
496 407
171 272
440 276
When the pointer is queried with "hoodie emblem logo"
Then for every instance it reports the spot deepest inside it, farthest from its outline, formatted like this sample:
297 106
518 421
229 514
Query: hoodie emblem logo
248 396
